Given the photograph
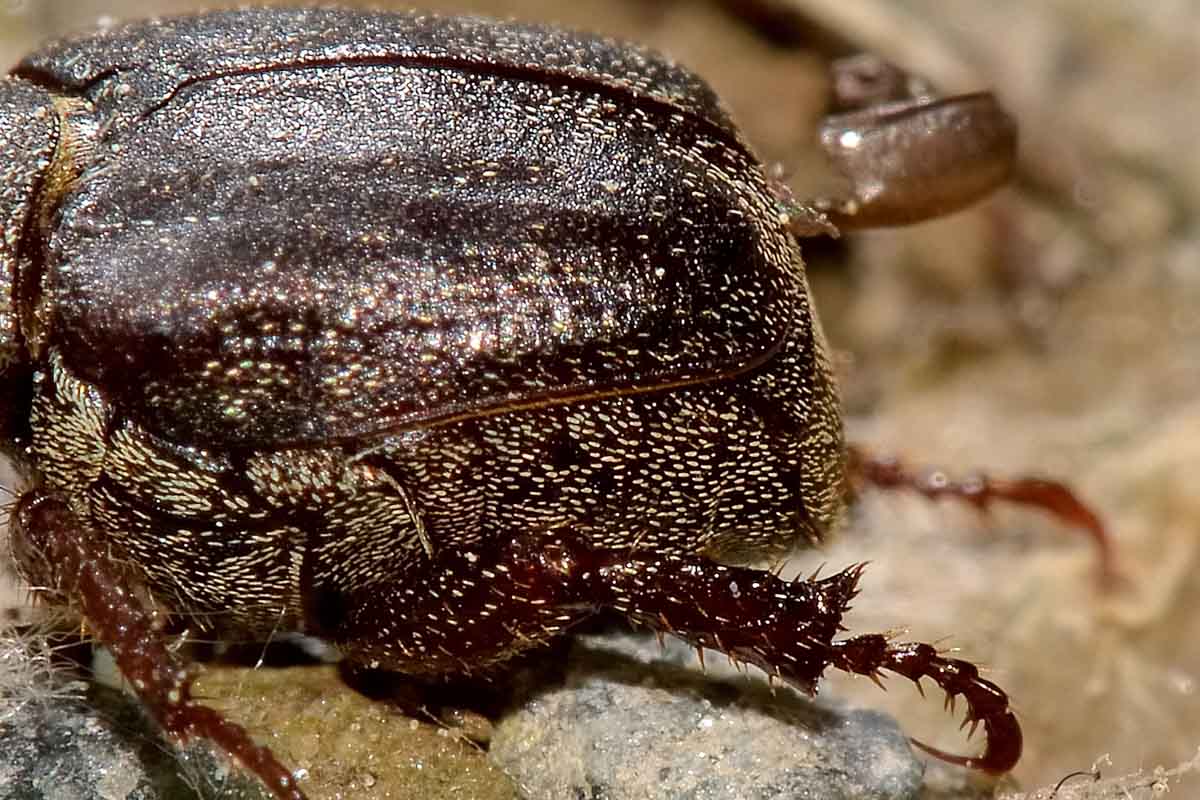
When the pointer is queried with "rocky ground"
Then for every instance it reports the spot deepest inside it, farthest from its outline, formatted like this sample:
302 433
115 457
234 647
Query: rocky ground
1055 331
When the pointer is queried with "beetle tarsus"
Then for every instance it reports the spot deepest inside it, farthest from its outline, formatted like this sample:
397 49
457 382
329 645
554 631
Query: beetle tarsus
987 704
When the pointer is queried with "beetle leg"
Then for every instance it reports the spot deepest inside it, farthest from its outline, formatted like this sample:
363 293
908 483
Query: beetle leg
61 556
466 611
986 702
787 629
482 607
905 154
909 161
981 491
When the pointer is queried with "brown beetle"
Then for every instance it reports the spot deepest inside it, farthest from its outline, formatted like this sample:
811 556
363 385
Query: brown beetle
428 337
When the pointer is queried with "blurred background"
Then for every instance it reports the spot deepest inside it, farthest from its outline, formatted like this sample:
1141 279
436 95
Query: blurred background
1054 330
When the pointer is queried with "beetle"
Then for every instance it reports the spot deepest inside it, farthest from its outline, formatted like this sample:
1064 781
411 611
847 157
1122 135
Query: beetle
428 337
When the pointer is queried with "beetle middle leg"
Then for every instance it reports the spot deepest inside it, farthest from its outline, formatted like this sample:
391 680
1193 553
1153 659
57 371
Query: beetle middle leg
64 558
482 607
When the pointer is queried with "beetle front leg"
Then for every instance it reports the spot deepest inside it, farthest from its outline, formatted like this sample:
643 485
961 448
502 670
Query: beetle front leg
481 607
61 556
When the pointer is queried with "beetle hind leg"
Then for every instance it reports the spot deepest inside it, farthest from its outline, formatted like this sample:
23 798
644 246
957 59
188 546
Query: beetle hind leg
987 704
480 607
787 628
